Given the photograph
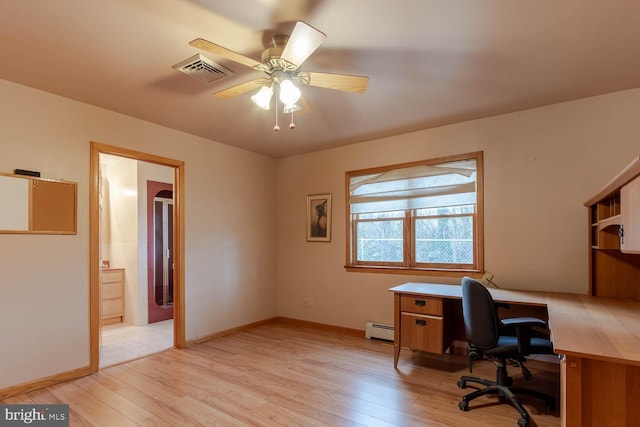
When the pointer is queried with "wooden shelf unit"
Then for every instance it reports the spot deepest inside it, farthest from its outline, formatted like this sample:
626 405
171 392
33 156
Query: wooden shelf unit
612 272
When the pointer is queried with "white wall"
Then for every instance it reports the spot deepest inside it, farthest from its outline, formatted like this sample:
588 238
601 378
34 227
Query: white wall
120 175
229 236
540 166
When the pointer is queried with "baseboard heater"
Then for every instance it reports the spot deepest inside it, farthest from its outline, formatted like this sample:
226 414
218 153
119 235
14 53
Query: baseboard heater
379 331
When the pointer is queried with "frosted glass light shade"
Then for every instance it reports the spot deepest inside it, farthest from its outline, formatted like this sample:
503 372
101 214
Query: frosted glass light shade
291 108
289 94
263 98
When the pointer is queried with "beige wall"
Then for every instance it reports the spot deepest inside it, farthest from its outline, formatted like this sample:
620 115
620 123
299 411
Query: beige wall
44 280
540 166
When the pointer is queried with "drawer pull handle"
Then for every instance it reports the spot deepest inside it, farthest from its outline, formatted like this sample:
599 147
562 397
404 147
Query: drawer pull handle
421 322
420 302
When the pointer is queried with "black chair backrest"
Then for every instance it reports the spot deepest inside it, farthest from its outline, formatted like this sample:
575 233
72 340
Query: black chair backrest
481 322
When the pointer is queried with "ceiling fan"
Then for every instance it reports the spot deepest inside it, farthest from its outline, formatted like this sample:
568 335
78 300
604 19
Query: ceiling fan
281 62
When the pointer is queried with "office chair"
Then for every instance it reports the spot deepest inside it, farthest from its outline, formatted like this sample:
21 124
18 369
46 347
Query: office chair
501 341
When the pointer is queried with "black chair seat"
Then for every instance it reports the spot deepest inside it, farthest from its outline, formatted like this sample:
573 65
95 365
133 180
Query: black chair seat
508 347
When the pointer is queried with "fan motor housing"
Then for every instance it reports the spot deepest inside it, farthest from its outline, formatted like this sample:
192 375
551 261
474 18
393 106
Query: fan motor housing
273 52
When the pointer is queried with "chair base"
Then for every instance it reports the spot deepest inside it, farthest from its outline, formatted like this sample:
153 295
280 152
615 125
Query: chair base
506 393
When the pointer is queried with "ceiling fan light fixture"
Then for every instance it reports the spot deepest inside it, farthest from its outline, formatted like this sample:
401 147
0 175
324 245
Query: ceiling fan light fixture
289 93
263 98
281 62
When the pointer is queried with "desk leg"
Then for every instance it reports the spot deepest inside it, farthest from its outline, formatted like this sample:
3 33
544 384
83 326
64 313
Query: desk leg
571 391
396 329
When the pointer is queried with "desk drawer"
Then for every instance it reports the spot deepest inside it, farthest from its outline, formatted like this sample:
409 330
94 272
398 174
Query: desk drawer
422 332
421 305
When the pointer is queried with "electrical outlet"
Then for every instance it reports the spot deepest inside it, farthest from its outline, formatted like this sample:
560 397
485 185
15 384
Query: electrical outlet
486 279
307 302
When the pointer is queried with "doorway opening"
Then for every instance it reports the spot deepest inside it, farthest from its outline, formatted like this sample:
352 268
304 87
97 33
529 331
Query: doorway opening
125 228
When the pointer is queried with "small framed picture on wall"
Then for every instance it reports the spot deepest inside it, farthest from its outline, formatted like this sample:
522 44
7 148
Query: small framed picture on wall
319 218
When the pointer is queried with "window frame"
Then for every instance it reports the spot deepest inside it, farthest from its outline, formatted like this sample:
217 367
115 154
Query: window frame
443 266
409 265
406 220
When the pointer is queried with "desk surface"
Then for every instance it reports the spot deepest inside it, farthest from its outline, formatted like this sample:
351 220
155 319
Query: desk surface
585 326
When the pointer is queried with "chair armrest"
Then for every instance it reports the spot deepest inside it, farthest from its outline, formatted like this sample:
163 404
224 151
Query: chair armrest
524 328
523 321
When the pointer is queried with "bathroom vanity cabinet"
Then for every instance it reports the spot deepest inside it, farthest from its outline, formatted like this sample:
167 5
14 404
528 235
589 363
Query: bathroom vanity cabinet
111 295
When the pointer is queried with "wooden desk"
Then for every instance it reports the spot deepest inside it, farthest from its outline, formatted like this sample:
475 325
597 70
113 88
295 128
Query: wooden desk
598 338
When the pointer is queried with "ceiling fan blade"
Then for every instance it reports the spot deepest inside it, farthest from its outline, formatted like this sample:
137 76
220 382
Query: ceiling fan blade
304 106
240 89
304 40
224 52
344 82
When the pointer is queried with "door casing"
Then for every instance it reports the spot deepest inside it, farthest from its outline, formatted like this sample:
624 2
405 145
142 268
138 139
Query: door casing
94 242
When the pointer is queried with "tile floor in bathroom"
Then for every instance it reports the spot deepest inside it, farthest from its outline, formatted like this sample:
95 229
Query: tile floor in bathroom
122 342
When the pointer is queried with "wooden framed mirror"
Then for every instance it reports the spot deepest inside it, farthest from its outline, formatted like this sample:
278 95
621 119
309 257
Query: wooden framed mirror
37 206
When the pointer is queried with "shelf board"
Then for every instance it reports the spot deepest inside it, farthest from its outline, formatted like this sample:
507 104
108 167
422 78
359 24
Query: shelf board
607 222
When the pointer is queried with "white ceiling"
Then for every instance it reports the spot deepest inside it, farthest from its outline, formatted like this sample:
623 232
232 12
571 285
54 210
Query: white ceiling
430 62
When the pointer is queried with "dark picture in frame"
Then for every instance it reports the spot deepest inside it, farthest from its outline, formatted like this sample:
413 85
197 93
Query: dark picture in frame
319 218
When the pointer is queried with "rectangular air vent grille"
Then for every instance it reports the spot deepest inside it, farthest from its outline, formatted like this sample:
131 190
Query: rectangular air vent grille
203 69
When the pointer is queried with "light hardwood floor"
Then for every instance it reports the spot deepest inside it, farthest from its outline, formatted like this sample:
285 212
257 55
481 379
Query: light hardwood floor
284 374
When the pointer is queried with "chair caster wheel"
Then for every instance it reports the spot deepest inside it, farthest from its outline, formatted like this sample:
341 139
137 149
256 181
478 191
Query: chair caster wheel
462 384
464 406
523 422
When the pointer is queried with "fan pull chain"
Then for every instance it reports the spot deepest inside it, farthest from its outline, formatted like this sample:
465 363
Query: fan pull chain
276 128
292 125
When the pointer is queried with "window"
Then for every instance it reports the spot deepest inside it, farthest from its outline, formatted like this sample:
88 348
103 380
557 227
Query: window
420 216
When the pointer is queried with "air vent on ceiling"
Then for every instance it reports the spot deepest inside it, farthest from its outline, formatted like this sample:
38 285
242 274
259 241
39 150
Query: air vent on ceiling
203 69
